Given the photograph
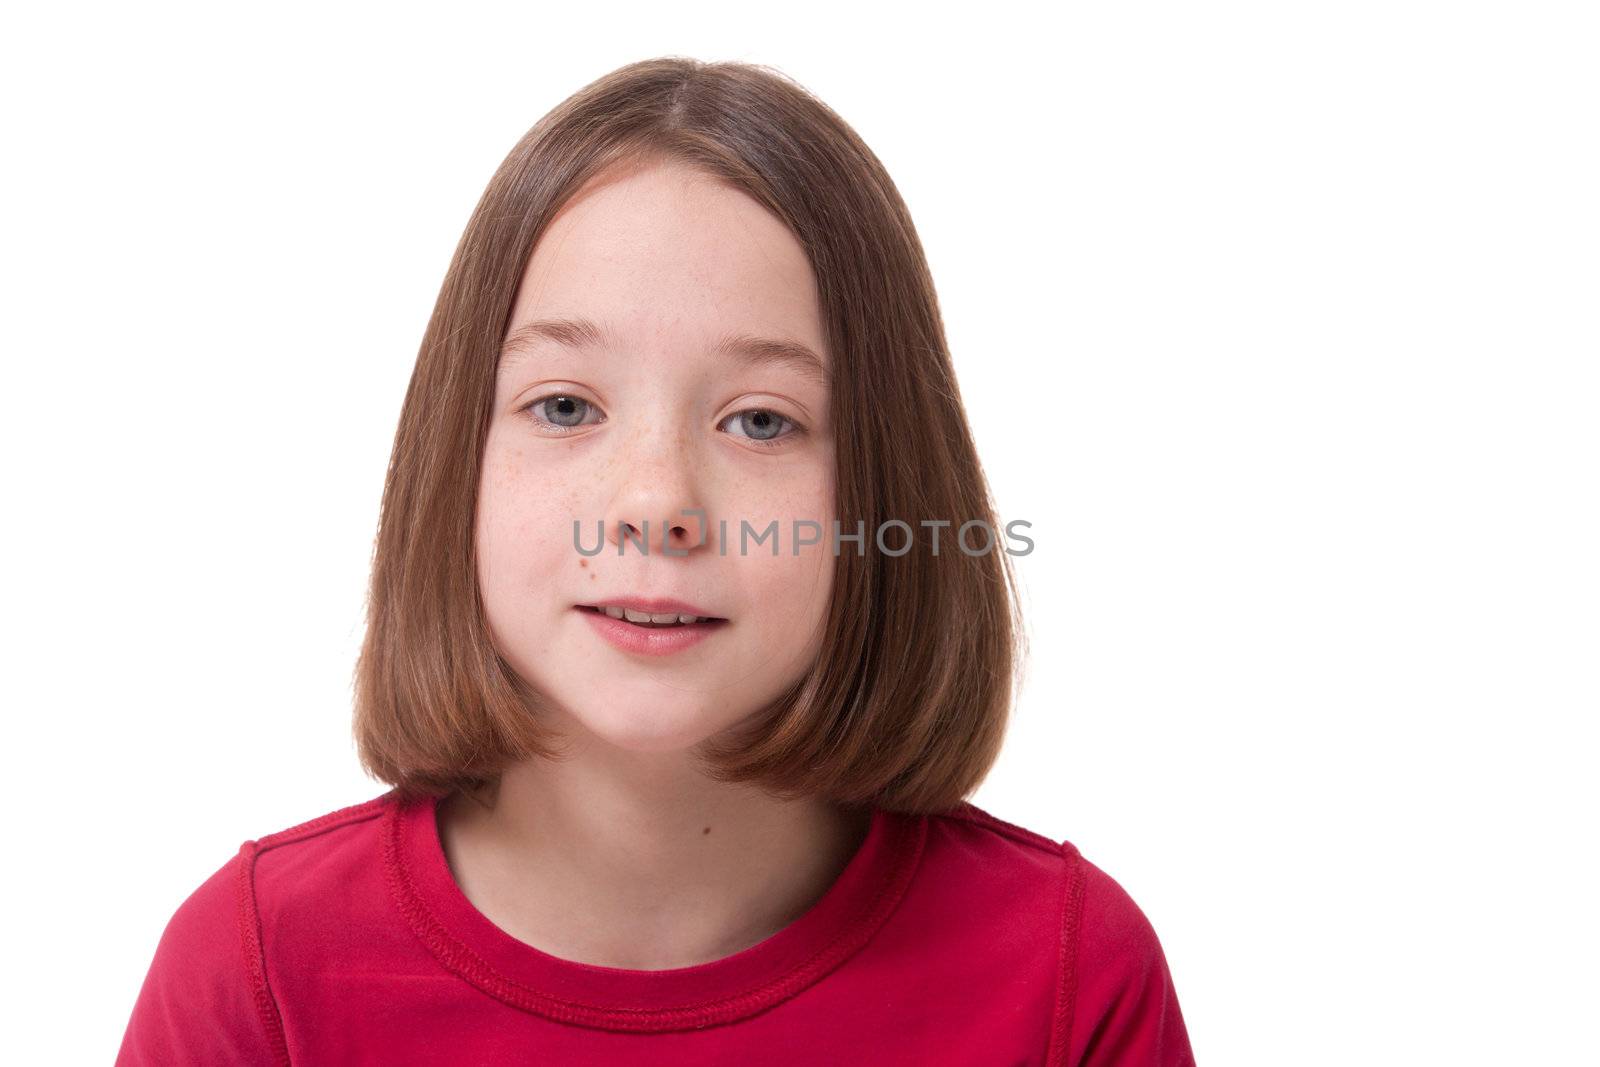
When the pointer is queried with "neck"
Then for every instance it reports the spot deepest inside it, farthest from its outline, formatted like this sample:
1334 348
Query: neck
638 860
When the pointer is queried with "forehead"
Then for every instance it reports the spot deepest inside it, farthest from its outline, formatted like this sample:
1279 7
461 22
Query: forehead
666 250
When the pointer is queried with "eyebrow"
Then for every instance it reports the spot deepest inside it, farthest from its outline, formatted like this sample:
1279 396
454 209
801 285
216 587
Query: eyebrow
745 348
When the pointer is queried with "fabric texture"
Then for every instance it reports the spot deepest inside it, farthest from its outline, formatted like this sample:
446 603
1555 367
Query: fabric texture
955 938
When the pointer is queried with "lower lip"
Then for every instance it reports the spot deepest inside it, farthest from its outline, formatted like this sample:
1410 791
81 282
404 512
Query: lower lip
649 640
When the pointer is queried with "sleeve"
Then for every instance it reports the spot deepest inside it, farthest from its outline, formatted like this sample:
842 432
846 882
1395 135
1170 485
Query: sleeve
204 999
1119 1003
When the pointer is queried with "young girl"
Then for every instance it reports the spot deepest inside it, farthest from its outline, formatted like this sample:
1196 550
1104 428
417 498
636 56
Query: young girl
677 693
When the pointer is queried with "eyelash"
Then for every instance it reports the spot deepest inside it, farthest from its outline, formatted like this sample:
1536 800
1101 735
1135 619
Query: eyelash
561 431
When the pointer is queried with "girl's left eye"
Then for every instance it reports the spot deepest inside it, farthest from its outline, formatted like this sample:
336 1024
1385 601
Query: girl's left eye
761 426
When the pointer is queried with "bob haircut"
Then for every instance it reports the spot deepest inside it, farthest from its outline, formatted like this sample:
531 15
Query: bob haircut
907 702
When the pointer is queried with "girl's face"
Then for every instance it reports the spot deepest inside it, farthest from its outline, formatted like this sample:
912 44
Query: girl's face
651 412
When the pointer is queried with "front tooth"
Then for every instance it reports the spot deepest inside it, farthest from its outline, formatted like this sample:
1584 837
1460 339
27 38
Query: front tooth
636 616
669 617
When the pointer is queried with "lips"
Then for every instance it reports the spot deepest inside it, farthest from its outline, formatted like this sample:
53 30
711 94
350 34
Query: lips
661 610
667 621
649 638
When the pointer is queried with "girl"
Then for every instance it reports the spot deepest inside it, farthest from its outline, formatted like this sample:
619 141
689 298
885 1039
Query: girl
676 693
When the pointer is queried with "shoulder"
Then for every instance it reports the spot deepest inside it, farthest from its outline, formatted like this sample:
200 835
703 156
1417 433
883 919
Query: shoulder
201 955
309 853
199 999
1111 927
1094 911
208 996
984 844
1116 1000
973 852
994 830
1000 876
316 876
297 862
1112 995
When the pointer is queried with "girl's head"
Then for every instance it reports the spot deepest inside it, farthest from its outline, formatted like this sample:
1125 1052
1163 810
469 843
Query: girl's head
630 393
689 318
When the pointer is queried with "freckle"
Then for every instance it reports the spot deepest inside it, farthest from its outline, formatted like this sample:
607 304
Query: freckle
707 830
584 563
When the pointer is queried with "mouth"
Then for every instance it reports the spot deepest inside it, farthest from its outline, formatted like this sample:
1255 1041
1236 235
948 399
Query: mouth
657 620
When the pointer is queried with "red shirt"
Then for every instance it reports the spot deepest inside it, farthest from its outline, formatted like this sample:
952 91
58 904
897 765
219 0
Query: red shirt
947 939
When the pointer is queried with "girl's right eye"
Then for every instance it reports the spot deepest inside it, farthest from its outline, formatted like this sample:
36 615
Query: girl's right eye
560 412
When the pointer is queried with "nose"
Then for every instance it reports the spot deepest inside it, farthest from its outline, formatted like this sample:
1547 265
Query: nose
662 536
656 507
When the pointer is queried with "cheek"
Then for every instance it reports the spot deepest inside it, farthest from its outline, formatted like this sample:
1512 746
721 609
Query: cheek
787 600
799 491
523 522
797 504
790 591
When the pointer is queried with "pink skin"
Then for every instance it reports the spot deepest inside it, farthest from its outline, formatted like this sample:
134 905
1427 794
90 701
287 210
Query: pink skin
669 260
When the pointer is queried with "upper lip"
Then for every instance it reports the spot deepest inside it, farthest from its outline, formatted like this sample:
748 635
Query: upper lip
653 605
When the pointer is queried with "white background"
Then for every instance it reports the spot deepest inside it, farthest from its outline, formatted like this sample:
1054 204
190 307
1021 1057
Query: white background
1277 320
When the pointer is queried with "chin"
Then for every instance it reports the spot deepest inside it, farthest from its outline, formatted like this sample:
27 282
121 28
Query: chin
648 730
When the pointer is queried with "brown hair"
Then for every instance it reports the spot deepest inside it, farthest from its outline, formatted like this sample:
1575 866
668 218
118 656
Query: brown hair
906 705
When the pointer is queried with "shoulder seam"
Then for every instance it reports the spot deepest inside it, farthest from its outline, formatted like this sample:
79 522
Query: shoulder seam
971 813
254 960
1072 884
368 809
